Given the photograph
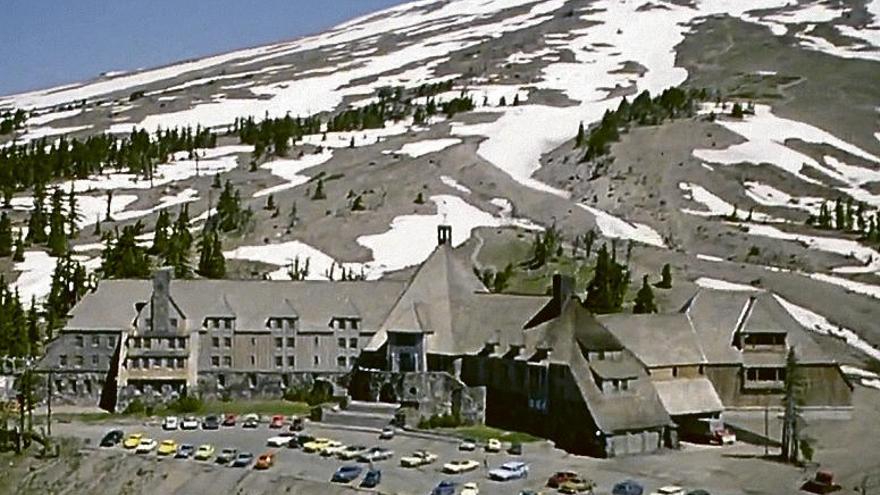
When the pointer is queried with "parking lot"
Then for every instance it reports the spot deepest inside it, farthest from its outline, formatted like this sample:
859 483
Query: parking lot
542 458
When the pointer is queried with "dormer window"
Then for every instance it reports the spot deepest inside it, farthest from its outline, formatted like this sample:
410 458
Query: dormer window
218 323
277 323
340 323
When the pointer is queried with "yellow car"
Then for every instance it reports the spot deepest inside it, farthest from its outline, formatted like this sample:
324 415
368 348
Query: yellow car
133 440
167 447
317 445
204 452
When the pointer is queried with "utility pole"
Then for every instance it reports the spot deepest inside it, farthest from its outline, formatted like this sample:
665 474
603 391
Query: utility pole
766 430
49 405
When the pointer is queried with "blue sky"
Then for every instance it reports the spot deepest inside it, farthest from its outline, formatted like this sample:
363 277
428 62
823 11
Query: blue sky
45 43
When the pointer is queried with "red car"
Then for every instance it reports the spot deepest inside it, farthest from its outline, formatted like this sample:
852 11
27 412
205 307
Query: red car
561 477
277 421
229 420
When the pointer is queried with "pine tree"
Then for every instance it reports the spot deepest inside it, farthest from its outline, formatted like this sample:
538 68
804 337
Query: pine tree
37 221
319 190
18 256
502 102
357 204
793 442
581 137
160 235
665 277
72 214
516 100
6 240
645 299
58 239
737 111
839 215
270 203
420 200
212 263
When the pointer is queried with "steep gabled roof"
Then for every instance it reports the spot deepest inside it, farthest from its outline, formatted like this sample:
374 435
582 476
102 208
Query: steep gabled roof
220 309
657 340
284 309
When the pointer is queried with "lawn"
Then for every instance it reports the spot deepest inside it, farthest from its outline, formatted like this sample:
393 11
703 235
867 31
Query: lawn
266 407
482 433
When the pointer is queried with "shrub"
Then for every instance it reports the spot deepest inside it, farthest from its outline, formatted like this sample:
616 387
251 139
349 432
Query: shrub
186 404
135 407
440 421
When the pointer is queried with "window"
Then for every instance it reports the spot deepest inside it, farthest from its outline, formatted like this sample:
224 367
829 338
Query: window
95 359
149 323
227 323
353 343
78 340
215 361
340 323
111 342
317 361
148 343
134 363
78 361
316 341
354 324
291 342
675 371
253 360
221 381
172 343
227 361
291 361
227 342
279 341
215 342
252 381
62 360
253 341
173 322
341 342
279 361
96 341
291 323
272 323
701 370
340 361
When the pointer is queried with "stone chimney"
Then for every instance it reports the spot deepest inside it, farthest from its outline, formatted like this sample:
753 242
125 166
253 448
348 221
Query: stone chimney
161 300
563 289
444 235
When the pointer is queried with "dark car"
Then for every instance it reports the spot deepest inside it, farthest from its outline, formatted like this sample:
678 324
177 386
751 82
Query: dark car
229 420
628 487
185 451
243 459
210 423
296 423
445 487
227 455
561 477
112 438
515 449
300 440
372 479
698 492
346 474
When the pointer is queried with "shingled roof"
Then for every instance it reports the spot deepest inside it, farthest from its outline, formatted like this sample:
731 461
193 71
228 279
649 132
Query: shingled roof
657 340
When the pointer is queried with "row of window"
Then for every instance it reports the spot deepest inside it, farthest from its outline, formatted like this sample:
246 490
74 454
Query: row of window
280 323
79 361
158 343
157 363
95 341
345 323
226 342
765 374
172 322
226 361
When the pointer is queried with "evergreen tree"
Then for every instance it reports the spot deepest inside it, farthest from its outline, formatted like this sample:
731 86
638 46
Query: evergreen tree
420 199
793 442
58 240
160 235
72 214
319 190
357 204
122 256
212 263
6 240
607 289
37 221
645 299
737 111
581 137
270 203
18 256
665 277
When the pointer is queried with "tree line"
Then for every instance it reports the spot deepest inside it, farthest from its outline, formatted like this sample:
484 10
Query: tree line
848 216
11 121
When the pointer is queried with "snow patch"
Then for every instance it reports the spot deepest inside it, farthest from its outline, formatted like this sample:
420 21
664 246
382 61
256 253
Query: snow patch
617 228
428 146
289 170
717 284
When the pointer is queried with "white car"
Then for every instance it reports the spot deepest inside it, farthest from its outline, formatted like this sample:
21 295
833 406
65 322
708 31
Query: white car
333 450
146 446
351 452
509 471
470 489
467 445
376 454
669 490
418 458
459 466
189 423
493 445
279 441
169 423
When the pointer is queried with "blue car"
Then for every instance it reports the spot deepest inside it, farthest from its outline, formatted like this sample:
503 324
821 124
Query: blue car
445 487
372 479
628 487
346 474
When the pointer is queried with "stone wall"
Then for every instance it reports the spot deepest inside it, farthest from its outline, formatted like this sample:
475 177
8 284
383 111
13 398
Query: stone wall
426 394
264 385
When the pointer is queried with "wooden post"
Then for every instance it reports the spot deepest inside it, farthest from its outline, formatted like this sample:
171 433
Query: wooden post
49 405
766 430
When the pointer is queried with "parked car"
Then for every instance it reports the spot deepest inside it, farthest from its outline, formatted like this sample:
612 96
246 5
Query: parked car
316 445
459 466
387 433
277 421
243 459
445 487
296 423
346 474
515 449
470 489
376 454
493 445
265 461
698 492
418 458
512 470
229 420
211 423
184 451
669 490
204 452
167 447
133 441
146 446
628 487
332 449
707 430
560 477
112 438
169 423
280 440
189 423
351 452
251 421
577 485
299 440
227 455
372 478
468 444
822 482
